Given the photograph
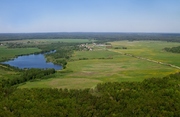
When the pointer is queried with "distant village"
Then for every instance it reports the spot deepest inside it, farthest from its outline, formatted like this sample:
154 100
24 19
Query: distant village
90 47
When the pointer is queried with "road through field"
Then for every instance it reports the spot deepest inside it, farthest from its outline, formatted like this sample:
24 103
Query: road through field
143 58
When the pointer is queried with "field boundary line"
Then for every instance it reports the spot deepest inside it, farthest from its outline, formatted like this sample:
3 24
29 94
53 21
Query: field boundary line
150 60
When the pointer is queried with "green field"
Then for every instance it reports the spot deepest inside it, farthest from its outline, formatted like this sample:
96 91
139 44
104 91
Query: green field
112 65
102 54
7 53
150 49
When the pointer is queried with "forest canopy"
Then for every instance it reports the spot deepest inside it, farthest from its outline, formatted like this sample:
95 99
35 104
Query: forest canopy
152 97
106 36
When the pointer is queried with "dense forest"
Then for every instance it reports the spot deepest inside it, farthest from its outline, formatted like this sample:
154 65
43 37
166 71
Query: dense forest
173 49
175 37
152 97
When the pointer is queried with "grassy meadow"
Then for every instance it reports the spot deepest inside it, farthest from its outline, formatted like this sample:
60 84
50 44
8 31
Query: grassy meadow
149 49
7 53
112 65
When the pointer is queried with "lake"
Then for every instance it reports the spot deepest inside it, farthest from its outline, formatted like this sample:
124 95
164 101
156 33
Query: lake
32 61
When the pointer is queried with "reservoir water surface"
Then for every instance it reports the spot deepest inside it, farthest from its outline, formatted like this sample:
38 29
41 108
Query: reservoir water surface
32 61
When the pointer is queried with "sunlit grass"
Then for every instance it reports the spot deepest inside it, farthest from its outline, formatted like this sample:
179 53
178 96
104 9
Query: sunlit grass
150 49
8 53
120 68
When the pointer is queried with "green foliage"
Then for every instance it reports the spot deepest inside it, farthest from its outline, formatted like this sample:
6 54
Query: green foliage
152 97
27 75
120 47
83 58
173 49
63 52
62 62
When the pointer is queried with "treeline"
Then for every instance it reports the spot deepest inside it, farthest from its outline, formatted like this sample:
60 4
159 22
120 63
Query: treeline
158 97
27 75
173 49
175 37
63 52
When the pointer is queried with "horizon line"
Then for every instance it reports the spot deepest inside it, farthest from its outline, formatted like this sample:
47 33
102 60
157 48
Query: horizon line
91 32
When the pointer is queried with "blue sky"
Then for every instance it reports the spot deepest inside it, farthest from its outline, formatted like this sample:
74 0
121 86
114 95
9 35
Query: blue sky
25 16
